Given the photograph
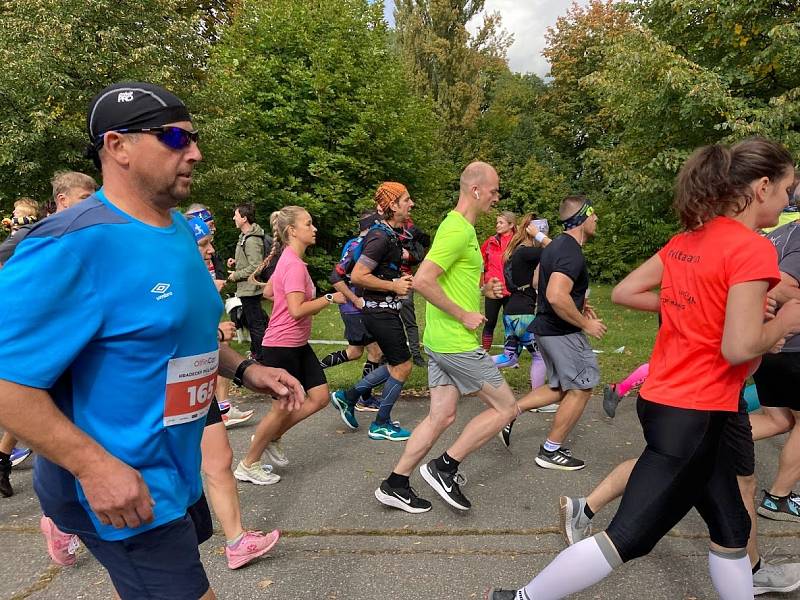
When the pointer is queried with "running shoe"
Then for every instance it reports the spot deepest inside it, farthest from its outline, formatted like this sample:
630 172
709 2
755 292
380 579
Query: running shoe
19 455
445 484
235 416
505 433
498 594
611 399
780 509
252 545
276 454
60 546
506 361
371 404
573 522
548 408
339 402
256 473
5 478
403 498
560 459
388 431
776 578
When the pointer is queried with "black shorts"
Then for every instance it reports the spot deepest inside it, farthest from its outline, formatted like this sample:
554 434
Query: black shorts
354 331
778 379
387 329
300 362
161 564
737 441
213 416
682 466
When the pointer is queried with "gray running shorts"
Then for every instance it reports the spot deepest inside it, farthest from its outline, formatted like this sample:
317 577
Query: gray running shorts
468 371
570 362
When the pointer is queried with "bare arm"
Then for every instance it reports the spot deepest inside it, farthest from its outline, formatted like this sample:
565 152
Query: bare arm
344 289
299 307
426 283
636 290
558 291
787 289
363 277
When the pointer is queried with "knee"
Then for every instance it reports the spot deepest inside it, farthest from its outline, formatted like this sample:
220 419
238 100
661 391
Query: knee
508 412
442 420
218 464
401 372
354 352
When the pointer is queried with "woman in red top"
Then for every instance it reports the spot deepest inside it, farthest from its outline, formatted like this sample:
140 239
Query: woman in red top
492 251
713 279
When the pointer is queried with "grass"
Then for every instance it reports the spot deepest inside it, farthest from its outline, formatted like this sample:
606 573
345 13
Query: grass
632 330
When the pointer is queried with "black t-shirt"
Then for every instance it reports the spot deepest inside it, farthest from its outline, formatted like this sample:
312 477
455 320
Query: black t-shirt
524 261
563 255
382 253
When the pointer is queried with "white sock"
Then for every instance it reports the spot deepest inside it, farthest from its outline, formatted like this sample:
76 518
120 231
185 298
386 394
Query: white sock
731 574
575 569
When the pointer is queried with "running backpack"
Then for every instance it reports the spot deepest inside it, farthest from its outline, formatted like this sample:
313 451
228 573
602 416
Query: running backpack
352 251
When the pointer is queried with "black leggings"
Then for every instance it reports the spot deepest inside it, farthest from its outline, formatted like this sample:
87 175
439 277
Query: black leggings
492 310
680 468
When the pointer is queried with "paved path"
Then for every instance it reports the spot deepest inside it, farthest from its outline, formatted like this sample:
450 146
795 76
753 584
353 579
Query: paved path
340 544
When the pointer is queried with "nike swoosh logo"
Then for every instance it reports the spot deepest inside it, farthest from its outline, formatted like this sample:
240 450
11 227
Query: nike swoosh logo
448 489
447 462
407 501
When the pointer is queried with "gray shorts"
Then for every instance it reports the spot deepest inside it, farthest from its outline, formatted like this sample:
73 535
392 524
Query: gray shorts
468 371
570 362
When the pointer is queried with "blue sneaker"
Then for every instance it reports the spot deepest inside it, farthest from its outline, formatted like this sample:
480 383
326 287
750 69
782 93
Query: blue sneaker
339 402
18 455
506 361
388 431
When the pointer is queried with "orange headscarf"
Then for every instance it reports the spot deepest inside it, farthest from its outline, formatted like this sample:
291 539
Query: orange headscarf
388 192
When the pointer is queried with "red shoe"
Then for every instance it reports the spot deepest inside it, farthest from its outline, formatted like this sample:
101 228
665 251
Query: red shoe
60 546
252 545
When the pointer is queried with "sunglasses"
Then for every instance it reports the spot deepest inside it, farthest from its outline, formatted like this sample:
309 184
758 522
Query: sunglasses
174 137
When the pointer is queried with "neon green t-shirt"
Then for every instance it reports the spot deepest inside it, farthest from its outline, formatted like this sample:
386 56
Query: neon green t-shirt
455 249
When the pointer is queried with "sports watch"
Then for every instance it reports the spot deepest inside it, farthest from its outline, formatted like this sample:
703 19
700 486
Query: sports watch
243 366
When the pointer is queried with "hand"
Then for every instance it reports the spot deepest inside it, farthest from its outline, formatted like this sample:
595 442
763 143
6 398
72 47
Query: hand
770 308
359 303
117 493
588 310
231 275
339 298
402 285
286 390
790 314
228 329
472 320
231 263
532 229
595 328
493 289
776 348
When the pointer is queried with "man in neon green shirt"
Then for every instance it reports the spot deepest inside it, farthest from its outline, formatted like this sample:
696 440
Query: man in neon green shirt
449 279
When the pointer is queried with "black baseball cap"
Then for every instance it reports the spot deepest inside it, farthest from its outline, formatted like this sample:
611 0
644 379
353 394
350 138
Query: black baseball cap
132 105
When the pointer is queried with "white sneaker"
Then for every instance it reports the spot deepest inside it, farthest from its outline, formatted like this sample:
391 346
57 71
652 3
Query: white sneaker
234 416
774 578
276 454
549 408
256 473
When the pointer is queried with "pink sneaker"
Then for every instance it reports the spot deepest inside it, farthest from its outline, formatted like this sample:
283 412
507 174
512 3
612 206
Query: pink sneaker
252 545
60 546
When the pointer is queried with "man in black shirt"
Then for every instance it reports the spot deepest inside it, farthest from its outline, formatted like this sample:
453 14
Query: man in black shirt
384 286
563 319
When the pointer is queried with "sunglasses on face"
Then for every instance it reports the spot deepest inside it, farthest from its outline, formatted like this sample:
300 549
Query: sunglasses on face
174 137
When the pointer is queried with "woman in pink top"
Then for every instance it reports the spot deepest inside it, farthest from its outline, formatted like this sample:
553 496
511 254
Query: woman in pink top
286 338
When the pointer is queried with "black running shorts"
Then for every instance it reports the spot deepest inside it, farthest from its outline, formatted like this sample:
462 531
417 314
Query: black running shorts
737 441
354 331
300 362
681 467
387 329
778 379
214 416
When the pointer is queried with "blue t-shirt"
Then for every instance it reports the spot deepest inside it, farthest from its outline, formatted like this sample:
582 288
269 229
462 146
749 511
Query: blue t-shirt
118 321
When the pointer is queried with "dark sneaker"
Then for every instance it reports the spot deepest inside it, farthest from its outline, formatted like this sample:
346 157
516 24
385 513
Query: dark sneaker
611 399
505 434
403 498
5 479
780 509
445 484
498 594
776 578
339 402
560 459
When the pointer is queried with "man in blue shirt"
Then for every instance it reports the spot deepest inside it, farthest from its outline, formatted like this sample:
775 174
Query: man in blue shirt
115 365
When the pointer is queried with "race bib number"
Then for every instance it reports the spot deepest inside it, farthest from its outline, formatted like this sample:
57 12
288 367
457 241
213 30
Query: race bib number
190 387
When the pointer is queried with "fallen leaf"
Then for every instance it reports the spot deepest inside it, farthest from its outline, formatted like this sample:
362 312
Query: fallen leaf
264 583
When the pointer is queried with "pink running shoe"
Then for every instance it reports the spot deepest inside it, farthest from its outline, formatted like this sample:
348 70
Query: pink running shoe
60 546
252 545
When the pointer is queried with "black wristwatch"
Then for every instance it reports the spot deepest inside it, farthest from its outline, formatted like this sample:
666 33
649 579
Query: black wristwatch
237 378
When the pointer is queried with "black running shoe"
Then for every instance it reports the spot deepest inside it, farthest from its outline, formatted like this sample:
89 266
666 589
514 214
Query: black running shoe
5 478
403 498
445 484
560 459
505 433
611 399
498 594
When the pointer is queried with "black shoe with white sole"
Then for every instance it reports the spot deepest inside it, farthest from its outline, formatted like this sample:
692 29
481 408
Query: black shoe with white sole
505 433
403 498
560 459
445 484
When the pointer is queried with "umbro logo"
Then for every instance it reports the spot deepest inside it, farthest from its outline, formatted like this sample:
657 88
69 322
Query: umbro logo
161 289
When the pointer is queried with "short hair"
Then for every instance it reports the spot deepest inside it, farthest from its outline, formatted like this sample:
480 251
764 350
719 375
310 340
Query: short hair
474 173
570 205
28 203
247 211
64 181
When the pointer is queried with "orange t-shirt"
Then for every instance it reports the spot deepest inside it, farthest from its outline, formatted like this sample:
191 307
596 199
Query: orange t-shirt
687 369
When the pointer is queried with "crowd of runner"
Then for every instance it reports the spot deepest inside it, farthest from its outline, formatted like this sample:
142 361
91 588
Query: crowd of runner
124 478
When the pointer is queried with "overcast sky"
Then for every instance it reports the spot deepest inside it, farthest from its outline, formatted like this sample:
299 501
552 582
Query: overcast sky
527 20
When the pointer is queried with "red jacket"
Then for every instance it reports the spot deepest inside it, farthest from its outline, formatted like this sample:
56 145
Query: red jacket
492 252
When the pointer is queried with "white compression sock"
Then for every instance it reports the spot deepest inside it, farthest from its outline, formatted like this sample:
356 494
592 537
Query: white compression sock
731 575
575 569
